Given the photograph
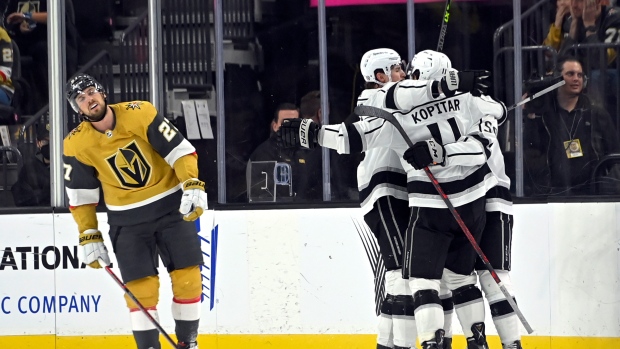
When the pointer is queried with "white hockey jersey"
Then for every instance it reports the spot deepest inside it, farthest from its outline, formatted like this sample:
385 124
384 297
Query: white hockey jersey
425 116
381 172
498 198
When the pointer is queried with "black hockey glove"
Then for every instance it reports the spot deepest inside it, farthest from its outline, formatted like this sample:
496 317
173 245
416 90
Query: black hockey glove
475 82
425 153
298 133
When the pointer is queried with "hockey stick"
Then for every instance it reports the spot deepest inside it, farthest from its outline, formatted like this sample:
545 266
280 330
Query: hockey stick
537 94
444 26
387 116
135 300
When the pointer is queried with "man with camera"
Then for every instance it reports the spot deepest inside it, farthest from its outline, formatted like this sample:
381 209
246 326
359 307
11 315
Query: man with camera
565 136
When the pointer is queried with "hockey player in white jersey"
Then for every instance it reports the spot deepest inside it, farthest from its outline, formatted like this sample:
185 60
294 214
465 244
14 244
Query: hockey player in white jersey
497 235
432 65
382 184
425 114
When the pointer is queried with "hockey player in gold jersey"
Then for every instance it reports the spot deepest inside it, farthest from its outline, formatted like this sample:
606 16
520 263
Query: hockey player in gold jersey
145 168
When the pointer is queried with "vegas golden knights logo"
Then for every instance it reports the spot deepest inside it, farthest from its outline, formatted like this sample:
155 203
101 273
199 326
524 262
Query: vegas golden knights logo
130 166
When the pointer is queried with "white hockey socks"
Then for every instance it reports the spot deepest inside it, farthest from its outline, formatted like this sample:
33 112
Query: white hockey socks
468 302
427 307
403 321
447 304
505 319
385 337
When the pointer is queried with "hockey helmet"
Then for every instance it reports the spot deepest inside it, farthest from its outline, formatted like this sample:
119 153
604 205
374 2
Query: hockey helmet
378 59
79 83
429 65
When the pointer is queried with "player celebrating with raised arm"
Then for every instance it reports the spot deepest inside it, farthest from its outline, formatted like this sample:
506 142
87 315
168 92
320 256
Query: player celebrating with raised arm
497 235
145 168
426 114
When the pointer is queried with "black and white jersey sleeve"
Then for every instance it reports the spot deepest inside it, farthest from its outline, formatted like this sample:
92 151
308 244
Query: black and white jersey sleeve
371 132
166 139
380 173
81 182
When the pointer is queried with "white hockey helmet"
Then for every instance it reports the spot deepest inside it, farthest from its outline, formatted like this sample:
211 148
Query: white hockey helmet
429 65
380 58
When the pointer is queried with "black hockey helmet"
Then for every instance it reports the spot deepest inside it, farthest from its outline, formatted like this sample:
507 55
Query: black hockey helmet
78 84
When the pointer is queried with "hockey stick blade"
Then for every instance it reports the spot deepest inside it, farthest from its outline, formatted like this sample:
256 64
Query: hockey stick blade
538 94
135 300
387 116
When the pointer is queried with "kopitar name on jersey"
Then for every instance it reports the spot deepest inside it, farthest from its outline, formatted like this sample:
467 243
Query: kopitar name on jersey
427 111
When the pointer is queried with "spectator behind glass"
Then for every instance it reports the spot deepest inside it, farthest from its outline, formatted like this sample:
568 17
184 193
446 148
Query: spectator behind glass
554 37
342 166
27 24
305 164
565 136
6 67
33 184
590 22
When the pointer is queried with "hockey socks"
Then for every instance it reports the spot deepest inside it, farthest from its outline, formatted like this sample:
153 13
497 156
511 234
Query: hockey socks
403 322
144 331
504 318
385 336
469 307
427 308
186 314
447 303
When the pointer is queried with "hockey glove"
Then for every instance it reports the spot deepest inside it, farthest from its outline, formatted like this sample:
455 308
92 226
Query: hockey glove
296 133
475 82
194 199
91 244
425 153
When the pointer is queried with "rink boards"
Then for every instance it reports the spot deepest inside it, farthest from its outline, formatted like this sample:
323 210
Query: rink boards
302 279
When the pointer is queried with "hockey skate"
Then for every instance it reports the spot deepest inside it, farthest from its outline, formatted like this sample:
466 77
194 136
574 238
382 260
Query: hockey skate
513 345
192 345
479 339
436 343
447 343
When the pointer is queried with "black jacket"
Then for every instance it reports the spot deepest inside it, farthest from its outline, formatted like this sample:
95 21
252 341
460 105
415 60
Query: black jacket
548 169
33 184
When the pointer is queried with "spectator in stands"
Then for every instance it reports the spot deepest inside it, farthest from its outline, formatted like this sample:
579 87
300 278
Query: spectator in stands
6 67
565 136
33 184
590 22
310 106
554 37
27 24
305 164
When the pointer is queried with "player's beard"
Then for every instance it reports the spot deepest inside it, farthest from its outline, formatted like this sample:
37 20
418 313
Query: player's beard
100 114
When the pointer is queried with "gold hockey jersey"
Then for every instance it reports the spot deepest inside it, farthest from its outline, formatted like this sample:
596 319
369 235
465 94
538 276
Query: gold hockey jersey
132 163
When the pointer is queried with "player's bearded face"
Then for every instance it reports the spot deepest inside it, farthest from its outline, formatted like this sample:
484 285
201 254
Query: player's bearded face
92 104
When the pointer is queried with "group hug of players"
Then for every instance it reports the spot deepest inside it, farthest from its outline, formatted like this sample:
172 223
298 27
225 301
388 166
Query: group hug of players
432 268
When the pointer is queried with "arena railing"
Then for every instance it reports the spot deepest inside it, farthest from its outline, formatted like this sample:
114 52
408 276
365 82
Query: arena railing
534 27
